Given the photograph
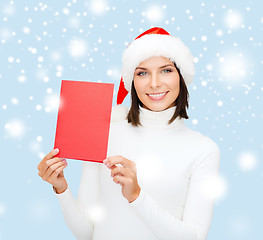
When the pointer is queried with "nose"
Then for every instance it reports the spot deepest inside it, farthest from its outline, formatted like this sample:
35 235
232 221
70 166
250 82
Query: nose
155 80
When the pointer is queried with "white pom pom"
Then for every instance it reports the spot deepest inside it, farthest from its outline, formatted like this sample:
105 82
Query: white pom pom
119 112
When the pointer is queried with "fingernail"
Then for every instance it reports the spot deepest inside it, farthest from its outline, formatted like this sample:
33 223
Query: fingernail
56 151
64 160
108 164
105 161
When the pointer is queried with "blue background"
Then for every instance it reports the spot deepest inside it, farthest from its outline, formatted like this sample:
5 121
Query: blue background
42 43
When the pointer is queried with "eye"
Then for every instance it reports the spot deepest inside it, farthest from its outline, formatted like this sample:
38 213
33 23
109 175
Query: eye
141 73
167 70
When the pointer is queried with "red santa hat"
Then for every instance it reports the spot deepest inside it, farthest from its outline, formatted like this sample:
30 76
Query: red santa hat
154 42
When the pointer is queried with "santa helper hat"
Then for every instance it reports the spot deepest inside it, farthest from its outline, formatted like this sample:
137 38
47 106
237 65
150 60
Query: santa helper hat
154 42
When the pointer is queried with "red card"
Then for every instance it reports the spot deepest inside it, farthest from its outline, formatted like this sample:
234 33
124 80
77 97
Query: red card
83 120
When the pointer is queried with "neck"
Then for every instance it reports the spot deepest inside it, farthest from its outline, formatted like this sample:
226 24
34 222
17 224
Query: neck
159 119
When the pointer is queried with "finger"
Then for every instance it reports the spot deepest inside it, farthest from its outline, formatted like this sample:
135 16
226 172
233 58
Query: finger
53 168
121 180
47 157
112 167
55 174
118 160
119 170
45 165
51 154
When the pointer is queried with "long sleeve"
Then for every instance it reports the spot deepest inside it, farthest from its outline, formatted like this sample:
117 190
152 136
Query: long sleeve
198 207
80 226
76 211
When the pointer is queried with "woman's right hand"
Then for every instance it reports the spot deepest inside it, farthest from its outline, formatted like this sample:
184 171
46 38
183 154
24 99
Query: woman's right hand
51 171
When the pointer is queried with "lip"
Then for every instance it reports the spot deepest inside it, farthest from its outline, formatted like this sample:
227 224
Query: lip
159 98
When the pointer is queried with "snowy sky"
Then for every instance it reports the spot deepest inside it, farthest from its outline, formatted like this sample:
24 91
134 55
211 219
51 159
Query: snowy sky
42 43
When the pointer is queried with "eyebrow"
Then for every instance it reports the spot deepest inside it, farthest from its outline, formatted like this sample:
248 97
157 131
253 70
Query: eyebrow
170 65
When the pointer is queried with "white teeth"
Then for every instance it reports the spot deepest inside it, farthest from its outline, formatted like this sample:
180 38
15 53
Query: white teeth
157 95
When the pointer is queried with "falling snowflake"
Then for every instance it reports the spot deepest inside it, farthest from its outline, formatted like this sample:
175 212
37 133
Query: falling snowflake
21 78
204 38
26 30
247 161
219 103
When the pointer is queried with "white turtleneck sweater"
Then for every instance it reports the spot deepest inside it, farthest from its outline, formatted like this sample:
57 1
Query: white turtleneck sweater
174 166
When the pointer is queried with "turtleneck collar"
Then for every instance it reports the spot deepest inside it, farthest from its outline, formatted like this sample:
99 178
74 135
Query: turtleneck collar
160 119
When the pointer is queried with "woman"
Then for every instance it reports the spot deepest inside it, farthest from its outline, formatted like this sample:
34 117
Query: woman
151 185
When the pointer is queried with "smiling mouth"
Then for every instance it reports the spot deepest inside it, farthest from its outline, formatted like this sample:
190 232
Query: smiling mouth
157 96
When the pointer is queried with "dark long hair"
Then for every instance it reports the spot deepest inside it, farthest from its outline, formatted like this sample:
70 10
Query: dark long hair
181 103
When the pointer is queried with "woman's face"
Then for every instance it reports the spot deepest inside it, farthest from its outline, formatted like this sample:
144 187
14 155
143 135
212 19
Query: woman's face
157 83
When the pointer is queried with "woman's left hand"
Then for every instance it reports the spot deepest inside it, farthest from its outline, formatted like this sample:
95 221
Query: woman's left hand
125 175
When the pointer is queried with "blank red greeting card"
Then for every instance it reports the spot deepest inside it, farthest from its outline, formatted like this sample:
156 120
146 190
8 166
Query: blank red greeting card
83 120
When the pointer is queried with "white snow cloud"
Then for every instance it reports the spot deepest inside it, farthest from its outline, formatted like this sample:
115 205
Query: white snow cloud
21 78
114 72
32 50
3 209
233 19
26 30
41 74
219 33
154 13
40 210
11 59
34 147
39 138
233 67
40 59
41 155
247 161
77 48
239 226
51 103
204 38
5 33
9 10
66 11
55 56
215 187
209 67
219 103
15 128
14 101
38 107
74 22
98 7
146 160
96 212
194 121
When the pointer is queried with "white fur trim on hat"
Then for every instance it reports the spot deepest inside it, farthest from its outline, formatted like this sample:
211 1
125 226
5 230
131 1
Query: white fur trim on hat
157 45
